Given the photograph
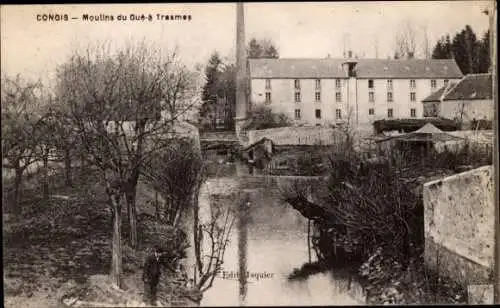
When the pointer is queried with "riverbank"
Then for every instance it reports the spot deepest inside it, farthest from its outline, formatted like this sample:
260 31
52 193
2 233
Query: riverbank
379 240
387 281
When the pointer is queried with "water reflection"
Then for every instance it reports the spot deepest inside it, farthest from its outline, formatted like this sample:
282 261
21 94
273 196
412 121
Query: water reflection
276 244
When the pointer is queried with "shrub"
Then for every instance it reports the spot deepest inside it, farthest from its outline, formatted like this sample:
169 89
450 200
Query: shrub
374 206
262 117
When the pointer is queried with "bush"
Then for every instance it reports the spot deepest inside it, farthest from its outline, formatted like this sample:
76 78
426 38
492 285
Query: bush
262 117
375 207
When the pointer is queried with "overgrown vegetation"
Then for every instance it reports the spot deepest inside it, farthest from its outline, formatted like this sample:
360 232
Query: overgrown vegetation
262 117
65 246
109 124
370 215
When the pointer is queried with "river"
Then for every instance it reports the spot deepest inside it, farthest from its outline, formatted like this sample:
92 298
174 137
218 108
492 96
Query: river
276 245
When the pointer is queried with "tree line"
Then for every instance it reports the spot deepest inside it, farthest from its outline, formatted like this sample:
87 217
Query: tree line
470 52
219 92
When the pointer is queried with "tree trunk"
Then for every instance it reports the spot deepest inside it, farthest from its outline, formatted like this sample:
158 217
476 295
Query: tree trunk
82 162
116 253
177 217
17 191
130 194
132 217
45 184
157 207
197 241
67 166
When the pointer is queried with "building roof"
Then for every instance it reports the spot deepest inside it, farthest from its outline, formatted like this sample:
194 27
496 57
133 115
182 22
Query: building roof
428 132
365 68
412 124
439 94
428 129
471 87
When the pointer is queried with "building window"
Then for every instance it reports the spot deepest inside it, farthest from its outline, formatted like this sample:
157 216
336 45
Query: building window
370 83
338 84
371 96
433 84
318 113
338 114
389 97
389 84
317 97
413 96
318 84
297 114
297 84
297 97
268 97
268 84
413 84
371 111
389 113
413 113
445 82
338 97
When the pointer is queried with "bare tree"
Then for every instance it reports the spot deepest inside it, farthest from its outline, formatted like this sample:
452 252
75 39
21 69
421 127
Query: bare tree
115 101
20 121
425 43
174 174
63 137
406 40
214 234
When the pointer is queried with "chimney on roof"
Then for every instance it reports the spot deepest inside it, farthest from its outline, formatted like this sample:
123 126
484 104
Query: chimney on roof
349 68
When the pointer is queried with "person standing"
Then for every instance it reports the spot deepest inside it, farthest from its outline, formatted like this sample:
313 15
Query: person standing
151 276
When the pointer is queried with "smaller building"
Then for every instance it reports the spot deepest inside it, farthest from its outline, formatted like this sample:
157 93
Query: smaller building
423 143
467 102
432 103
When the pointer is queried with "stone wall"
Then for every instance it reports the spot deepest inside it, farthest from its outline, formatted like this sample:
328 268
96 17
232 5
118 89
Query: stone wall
459 225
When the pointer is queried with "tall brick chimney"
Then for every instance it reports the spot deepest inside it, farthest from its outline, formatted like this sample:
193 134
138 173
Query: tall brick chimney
241 70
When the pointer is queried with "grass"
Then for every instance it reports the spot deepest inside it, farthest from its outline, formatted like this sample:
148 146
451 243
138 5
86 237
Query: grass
62 248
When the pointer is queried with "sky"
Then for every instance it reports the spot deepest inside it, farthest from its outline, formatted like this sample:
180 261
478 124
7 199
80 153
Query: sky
300 30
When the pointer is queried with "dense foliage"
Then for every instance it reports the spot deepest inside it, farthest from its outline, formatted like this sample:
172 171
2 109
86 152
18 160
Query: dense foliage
470 53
